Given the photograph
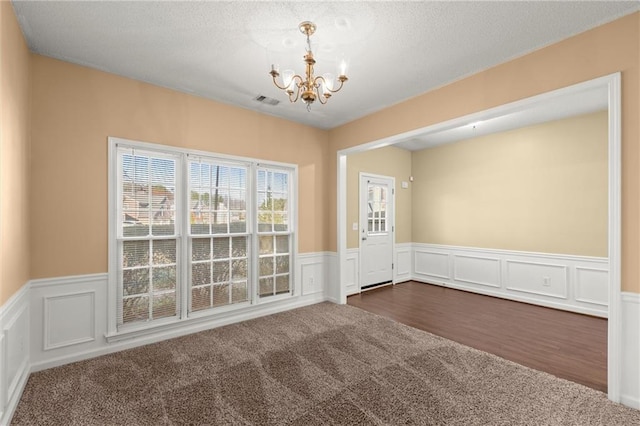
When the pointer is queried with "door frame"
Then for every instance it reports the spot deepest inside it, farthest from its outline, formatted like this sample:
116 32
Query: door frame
612 84
393 225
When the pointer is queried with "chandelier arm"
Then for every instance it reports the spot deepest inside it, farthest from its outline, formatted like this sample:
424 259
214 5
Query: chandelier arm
296 88
339 87
284 87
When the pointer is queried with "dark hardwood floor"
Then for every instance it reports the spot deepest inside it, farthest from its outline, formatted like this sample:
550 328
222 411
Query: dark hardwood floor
565 344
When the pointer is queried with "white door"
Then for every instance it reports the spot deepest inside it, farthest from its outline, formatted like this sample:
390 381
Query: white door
376 229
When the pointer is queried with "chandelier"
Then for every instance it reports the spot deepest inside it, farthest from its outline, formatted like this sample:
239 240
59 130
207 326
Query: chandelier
309 88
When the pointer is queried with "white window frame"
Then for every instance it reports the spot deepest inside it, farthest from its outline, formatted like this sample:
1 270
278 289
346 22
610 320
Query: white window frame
184 238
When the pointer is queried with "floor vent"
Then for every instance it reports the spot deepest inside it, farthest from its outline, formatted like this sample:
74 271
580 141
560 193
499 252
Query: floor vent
265 100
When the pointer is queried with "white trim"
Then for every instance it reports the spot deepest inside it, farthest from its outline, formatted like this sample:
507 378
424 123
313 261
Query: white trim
628 297
341 293
14 344
73 279
614 355
630 350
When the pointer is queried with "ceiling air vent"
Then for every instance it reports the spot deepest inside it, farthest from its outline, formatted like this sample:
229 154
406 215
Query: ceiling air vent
265 100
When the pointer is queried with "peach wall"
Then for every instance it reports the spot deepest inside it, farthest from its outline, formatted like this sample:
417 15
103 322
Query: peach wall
75 109
603 50
14 155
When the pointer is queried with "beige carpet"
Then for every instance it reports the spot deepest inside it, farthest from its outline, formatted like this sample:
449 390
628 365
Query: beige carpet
320 365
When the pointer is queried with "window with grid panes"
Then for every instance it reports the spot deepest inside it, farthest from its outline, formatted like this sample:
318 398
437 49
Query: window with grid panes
274 232
219 235
148 237
197 232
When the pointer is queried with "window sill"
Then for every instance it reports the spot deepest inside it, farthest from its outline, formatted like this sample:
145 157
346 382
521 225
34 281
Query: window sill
196 322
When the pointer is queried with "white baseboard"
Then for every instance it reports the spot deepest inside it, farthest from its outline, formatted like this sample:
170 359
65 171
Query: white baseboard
14 352
573 283
630 380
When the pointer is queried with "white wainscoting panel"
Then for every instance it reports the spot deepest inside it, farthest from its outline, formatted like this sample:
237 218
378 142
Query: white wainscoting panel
431 263
14 351
332 290
477 270
69 319
543 279
630 377
402 264
351 271
69 314
312 269
592 285
573 283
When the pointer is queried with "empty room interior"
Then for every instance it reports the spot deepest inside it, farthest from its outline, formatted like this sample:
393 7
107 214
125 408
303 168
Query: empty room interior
319 213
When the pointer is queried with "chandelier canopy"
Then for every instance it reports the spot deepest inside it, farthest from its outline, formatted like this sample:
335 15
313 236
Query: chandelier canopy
309 88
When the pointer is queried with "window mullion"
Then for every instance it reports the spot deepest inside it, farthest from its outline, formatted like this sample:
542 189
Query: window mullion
183 230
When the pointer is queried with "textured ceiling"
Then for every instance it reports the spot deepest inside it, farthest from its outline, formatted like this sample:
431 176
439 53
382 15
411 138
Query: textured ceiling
223 50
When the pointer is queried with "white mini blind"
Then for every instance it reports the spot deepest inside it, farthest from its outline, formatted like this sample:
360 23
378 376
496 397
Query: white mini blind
147 236
219 234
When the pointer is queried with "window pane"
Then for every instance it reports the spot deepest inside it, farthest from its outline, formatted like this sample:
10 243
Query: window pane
281 222
280 202
137 229
238 222
239 246
135 253
282 244
200 298
164 278
282 284
135 281
266 286
221 248
219 220
239 292
200 273
164 305
220 271
220 294
219 199
266 266
237 178
135 309
282 264
164 252
201 249
239 269
280 182
266 244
